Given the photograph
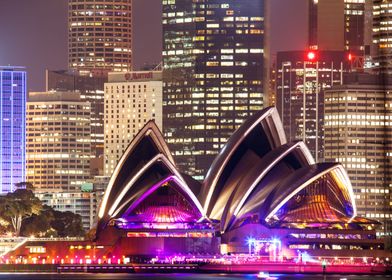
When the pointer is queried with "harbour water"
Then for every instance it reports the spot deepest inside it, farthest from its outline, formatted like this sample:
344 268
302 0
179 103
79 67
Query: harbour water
181 276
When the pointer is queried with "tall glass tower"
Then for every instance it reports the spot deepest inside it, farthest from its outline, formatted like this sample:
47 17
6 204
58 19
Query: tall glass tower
12 127
382 34
213 59
336 25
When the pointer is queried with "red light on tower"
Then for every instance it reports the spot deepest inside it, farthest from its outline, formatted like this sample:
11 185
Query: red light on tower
350 57
311 55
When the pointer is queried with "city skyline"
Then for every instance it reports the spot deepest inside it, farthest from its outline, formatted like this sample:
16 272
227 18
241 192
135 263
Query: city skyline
216 136
41 28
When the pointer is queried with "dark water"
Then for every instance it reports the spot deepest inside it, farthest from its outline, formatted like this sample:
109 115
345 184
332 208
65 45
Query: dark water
175 276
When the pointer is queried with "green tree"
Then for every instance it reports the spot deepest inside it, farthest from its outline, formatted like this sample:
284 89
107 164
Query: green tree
17 206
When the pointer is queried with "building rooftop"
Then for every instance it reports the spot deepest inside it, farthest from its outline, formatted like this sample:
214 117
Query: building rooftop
135 76
12 68
54 96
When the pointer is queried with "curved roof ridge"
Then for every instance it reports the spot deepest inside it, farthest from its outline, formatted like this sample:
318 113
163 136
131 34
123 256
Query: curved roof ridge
305 177
218 165
172 170
149 129
249 182
178 182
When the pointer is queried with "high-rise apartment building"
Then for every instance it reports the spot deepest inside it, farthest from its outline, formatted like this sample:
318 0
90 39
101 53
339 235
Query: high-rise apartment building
382 34
99 36
131 100
213 54
358 134
302 78
337 25
12 127
91 90
58 141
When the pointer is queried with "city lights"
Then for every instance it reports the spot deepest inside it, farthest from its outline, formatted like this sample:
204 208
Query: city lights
235 148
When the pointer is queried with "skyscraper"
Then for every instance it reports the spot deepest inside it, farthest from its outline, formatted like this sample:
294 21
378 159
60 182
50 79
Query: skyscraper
382 34
213 53
58 141
326 24
91 90
131 100
99 36
358 134
12 127
302 78
337 25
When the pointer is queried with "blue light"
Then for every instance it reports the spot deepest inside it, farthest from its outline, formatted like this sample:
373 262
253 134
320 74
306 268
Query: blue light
12 127
304 257
250 241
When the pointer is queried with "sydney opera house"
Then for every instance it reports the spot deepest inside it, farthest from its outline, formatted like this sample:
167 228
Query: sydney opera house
260 191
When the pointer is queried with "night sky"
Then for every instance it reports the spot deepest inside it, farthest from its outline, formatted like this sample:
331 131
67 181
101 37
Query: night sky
33 33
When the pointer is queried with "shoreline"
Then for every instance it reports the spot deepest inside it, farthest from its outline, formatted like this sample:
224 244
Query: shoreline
277 268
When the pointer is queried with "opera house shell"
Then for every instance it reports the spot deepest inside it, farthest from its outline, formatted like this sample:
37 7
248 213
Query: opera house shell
259 185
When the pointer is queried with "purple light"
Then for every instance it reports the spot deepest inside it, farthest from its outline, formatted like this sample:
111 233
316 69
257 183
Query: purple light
146 194
149 211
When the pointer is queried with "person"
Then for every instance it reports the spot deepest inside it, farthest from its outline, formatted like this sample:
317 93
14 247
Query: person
324 263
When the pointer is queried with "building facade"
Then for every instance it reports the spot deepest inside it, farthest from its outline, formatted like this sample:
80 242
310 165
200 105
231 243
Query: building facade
358 134
12 127
99 36
302 78
58 141
83 203
131 99
213 53
337 25
382 34
91 90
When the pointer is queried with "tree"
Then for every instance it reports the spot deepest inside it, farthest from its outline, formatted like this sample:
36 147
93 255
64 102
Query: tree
39 225
24 185
67 224
18 206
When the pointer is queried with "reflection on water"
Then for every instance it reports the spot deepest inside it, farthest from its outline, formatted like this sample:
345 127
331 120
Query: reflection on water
176 276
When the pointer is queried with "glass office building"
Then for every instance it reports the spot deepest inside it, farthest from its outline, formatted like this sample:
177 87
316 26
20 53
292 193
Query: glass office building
382 35
358 134
213 54
12 127
302 77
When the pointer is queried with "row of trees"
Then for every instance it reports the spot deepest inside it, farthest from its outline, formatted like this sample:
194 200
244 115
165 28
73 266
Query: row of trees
23 214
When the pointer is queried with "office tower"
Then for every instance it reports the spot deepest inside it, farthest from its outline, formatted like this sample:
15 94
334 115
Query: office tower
302 78
382 34
337 25
212 75
99 36
91 90
326 24
358 134
131 100
12 127
58 141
